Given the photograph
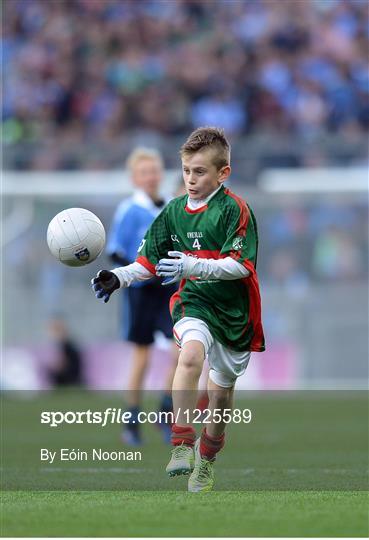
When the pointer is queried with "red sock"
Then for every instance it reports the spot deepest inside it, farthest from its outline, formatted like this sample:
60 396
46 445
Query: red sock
210 446
183 435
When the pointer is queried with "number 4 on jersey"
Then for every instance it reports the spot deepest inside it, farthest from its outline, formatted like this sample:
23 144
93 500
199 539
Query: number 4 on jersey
196 244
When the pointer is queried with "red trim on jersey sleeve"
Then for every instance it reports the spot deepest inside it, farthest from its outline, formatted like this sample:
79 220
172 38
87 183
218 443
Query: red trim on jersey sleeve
257 342
241 230
197 211
146 263
251 282
176 297
244 213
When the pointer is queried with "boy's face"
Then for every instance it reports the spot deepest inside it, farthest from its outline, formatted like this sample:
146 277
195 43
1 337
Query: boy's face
200 175
147 175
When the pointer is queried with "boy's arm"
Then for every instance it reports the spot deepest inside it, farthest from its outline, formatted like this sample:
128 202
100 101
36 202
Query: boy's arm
184 266
242 239
108 281
131 273
154 245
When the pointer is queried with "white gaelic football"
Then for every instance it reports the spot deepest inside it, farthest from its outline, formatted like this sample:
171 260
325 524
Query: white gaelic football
76 236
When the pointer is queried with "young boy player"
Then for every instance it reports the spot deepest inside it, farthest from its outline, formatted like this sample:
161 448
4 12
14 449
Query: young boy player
207 240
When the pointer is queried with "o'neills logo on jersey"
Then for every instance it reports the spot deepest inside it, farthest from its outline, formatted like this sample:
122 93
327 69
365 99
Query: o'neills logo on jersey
237 243
195 234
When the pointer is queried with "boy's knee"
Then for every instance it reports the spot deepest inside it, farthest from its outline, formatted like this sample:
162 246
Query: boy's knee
192 356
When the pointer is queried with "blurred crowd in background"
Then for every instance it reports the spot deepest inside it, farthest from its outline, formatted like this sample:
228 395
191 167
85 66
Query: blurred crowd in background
83 77
92 74
324 242
85 81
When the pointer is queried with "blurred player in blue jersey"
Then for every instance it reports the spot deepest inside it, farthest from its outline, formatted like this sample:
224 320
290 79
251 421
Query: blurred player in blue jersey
148 302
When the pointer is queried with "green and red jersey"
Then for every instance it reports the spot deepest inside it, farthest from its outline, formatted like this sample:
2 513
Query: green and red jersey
224 227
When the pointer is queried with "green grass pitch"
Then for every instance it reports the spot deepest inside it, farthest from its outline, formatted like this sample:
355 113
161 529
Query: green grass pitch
299 469
175 514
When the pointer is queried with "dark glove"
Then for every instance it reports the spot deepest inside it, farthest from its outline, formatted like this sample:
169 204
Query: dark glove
104 284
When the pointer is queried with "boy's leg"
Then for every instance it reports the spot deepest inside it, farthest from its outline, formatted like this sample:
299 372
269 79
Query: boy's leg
211 440
174 355
194 339
220 397
185 384
164 323
166 401
141 334
225 367
186 380
140 360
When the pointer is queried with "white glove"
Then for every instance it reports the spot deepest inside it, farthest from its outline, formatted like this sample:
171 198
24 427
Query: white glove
175 269
185 266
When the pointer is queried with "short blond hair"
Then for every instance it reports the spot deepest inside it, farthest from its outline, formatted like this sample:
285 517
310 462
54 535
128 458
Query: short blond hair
141 153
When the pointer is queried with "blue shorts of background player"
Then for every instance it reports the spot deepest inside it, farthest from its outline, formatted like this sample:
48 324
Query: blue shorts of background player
147 312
